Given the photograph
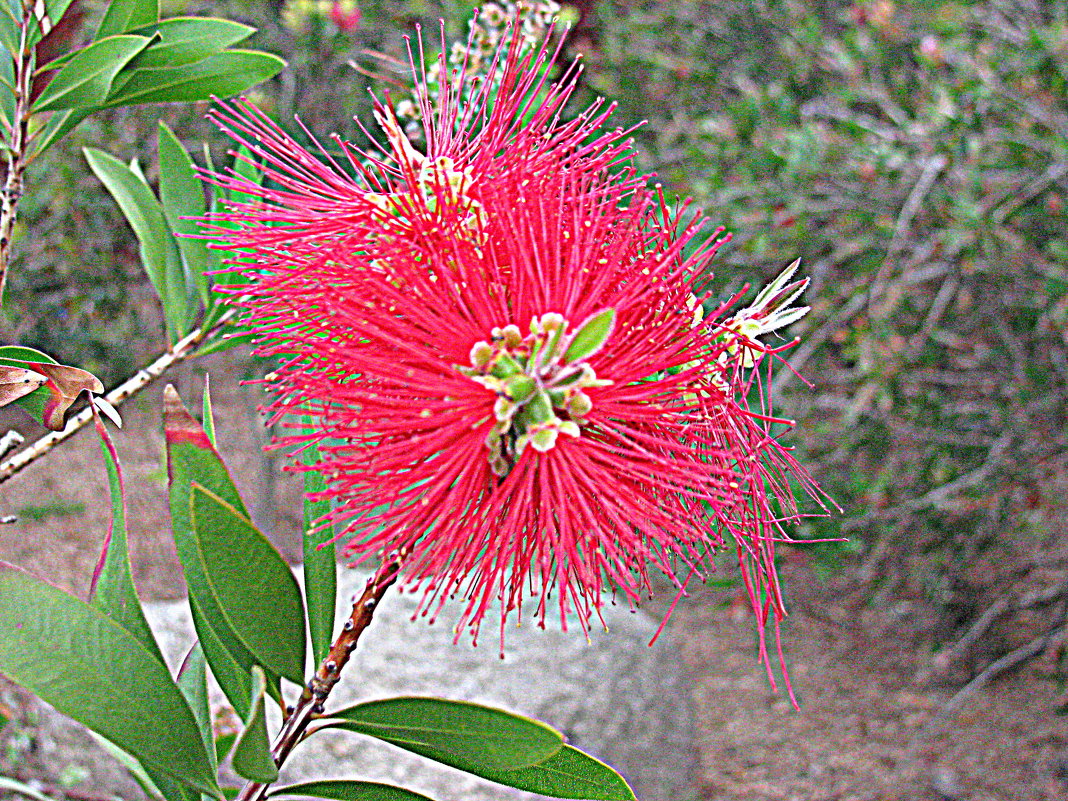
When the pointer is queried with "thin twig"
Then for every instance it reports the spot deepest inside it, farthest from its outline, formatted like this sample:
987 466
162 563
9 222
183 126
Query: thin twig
11 440
939 494
326 677
984 622
932 166
980 627
1006 663
182 350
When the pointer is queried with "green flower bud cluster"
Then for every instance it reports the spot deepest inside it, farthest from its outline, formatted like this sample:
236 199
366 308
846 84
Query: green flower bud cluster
540 381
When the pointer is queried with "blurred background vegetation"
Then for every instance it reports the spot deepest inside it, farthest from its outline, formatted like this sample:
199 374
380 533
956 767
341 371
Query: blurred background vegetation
914 155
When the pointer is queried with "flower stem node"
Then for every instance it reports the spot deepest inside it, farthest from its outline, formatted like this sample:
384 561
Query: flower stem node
540 382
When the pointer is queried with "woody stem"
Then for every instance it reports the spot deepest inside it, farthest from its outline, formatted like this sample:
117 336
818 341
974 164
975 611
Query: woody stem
17 141
312 699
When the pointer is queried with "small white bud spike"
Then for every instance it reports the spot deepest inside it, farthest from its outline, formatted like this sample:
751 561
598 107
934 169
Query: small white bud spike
402 148
777 284
107 410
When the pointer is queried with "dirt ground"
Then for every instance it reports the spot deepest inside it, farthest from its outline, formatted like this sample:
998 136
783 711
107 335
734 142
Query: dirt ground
871 724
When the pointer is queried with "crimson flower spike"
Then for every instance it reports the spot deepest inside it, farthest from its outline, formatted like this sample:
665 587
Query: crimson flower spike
500 343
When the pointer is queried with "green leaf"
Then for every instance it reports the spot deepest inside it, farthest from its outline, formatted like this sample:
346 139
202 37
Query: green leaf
112 589
234 673
224 744
59 125
45 17
467 736
186 40
251 757
236 577
148 783
9 26
193 682
348 790
7 86
590 336
159 252
21 789
125 15
182 196
207 417
221 75
568 773
251 583
86 79
190 454
87 666
320 559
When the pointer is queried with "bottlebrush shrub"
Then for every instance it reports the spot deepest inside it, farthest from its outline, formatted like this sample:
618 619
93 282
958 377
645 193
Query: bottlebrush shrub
502 346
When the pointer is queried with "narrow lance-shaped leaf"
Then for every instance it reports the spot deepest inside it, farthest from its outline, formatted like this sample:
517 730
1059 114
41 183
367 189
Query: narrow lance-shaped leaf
112 589
320 558
232 672
207 416
182 197
89 667
86 79
181 41
221 75
190 454
125 15
192 459
21 789
159 251
192 680
590 336
7 83
45 15
151 786
250 583
60 123
251 757
569 773
9 26
248 169
471 737
347 790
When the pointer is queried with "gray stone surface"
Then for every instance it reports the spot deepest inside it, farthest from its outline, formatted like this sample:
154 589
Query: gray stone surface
615 697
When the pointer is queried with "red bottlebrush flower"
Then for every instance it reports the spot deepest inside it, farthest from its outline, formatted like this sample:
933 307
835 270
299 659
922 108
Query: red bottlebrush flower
500 343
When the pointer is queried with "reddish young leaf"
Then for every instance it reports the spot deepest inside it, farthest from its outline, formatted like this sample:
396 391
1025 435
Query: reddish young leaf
16 382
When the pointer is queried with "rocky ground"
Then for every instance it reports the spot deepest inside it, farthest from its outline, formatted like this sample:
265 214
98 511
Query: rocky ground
872 723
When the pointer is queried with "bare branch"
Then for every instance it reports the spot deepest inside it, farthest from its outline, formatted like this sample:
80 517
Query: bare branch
181 351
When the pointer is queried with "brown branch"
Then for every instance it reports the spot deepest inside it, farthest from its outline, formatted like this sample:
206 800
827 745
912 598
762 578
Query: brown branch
985 621
1011 660
326 677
